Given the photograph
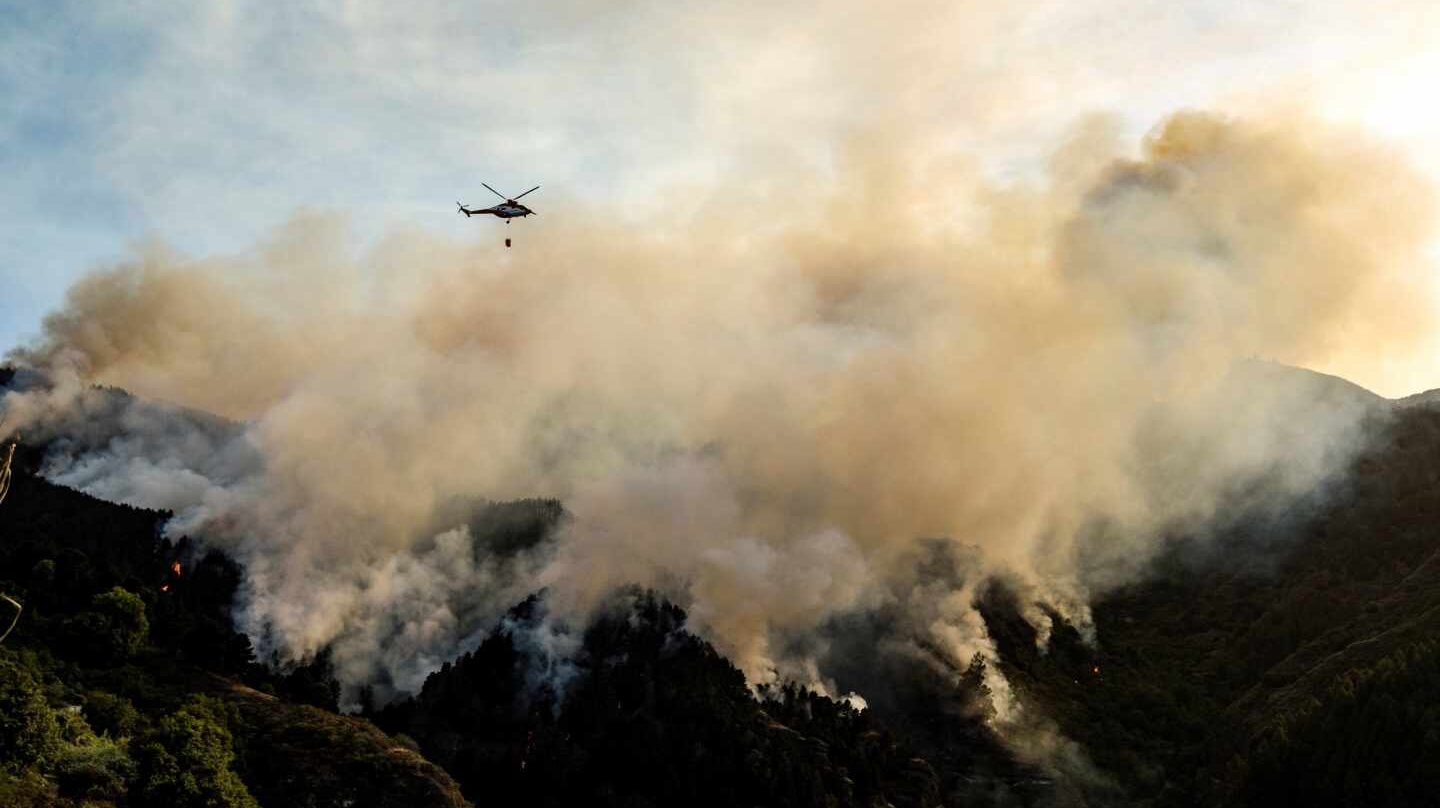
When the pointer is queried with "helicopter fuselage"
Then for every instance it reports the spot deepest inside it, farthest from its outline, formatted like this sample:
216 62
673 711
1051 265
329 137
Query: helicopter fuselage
510 211
509 208
504 210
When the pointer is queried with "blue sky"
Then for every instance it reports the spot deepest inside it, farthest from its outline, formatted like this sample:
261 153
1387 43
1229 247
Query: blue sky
206 125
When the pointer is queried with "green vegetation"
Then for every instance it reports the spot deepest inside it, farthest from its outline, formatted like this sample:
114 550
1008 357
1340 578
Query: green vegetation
29 733
1373 740
187 760
51 755
1286 660
122 684
113 629
302 755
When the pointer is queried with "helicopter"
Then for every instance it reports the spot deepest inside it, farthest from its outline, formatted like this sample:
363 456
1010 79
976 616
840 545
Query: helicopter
509 209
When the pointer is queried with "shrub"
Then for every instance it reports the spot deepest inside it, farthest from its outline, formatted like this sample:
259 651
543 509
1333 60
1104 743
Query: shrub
111 714
187 761
29 734
123 627
29 790
97 769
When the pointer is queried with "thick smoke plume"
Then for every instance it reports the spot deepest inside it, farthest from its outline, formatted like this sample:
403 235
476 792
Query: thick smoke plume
761 401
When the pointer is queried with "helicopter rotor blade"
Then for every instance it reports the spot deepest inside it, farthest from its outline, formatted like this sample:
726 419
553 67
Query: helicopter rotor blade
536 188
495 192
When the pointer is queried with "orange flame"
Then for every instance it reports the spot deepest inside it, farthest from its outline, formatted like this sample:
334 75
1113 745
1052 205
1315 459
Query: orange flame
165 587
175 568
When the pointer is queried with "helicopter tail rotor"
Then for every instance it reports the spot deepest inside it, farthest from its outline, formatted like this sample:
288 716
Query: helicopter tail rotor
463 210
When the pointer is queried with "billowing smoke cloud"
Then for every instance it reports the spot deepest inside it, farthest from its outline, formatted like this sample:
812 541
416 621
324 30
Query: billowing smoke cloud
761 400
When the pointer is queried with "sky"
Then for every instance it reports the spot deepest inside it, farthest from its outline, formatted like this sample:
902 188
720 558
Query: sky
207 125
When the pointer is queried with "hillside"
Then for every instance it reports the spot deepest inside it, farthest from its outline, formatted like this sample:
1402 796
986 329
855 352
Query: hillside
1293 663
122 684
1282 657
651 715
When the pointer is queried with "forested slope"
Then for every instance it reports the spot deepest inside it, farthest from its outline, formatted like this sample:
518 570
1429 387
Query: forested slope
1285 659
